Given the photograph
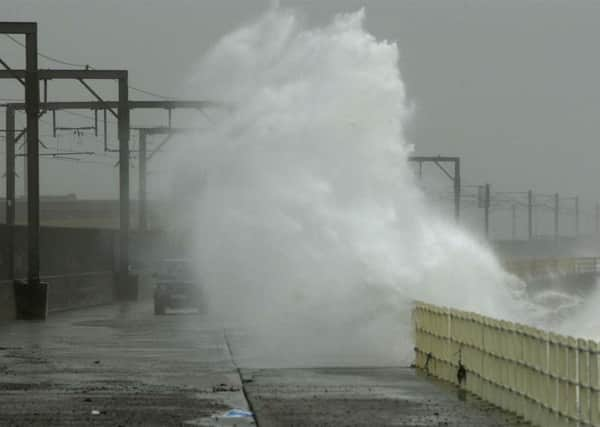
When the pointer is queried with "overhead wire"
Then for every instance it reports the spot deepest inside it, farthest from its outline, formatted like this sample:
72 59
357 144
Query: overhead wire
470 197
49 58
86 116
86 66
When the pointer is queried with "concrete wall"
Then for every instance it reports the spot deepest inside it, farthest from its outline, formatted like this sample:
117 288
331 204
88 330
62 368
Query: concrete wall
79 264
65 292
62 250
7 301
71 291
72 212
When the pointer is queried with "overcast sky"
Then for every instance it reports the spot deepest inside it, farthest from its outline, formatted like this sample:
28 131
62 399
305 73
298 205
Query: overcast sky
509 86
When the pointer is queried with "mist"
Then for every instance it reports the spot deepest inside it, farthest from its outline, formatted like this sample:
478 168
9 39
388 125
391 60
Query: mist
307 226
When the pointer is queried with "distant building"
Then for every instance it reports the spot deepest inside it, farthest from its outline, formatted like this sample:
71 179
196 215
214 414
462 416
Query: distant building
55 198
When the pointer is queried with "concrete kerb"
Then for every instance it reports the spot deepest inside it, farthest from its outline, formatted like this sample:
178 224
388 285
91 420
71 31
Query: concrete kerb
63 292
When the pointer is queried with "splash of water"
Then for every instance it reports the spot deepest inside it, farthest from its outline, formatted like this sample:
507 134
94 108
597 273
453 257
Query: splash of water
308 227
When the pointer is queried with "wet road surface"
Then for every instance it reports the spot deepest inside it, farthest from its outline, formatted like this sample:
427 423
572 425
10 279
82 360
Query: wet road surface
122 366
363 397
114 365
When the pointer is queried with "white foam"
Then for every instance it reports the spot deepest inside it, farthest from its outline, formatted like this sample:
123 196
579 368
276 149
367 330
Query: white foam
308 226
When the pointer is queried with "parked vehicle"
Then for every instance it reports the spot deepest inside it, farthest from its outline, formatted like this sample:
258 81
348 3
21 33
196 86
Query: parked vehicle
175 287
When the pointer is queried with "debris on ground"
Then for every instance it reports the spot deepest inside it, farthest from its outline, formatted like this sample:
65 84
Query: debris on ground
234 417
230 418
225 387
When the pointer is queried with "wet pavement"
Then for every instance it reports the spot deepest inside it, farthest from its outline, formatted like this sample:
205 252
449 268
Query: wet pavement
114 365
123 366
363 397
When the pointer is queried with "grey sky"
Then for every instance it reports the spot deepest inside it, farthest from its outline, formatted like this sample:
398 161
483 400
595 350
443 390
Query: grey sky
510 86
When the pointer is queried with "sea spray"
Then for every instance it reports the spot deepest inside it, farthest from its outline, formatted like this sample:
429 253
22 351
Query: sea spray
306 224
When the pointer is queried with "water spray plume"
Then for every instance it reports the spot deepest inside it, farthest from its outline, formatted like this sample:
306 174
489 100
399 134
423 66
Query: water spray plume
306 224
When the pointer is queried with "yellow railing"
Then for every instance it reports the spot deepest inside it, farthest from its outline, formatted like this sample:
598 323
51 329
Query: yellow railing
532 267
546 378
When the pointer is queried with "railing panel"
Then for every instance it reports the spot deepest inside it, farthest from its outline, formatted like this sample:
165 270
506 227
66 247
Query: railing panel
584 380
594 384
546 378
529 268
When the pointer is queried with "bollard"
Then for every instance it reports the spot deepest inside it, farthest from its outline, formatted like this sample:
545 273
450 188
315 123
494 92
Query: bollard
31 300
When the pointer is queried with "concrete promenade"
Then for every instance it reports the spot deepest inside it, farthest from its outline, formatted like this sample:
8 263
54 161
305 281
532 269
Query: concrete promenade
120 365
